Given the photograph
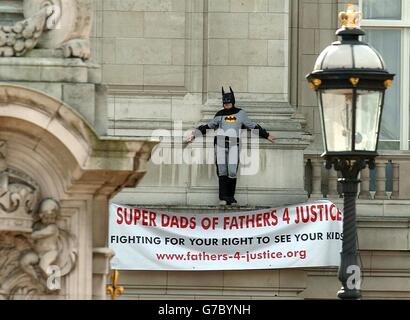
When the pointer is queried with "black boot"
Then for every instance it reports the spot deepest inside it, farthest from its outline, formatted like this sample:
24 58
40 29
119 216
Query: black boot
231 192
224 190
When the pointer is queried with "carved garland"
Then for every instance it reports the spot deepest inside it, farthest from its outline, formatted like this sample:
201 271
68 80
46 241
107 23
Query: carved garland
23 36
50 24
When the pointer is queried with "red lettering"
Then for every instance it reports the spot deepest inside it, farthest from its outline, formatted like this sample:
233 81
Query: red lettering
137 215
320 207
313 212
259 221
127 216
333 216
339 215
178 222
266 218
226 222
274 218
119 214
152 218
165 220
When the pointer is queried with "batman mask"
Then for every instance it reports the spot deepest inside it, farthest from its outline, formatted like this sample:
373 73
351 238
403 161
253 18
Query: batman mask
228 97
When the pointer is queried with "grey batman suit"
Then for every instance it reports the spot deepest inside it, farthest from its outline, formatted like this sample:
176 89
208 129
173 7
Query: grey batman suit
228 124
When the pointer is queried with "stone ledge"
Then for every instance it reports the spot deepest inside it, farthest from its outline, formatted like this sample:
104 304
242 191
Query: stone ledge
376 209
45 53
202 208
237 284
44 70
257 108
11 7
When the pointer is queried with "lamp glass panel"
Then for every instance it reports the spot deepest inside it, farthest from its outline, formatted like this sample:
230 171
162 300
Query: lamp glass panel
368 112
366 57
338 57
336 112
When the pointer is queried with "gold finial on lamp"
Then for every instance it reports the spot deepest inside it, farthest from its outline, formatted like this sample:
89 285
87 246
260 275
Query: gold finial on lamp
351 17
354 81
388 83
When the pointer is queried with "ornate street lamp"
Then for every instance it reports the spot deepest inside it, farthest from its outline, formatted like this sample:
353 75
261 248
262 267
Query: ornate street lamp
350 79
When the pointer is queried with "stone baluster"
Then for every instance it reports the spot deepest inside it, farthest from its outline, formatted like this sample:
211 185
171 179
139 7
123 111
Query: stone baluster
317 165
396 180
333 181
380 180
308 177
324 182
389 179
364 184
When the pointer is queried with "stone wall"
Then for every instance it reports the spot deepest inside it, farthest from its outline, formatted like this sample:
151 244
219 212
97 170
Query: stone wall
248 48
151 45
143 42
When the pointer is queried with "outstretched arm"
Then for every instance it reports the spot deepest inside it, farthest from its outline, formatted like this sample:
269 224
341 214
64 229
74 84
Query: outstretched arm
249 124
213 124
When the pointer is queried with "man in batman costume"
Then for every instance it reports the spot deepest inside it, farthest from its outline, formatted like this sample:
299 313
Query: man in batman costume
229 121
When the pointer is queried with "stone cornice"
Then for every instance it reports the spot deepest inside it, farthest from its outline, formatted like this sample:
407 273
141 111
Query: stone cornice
123 160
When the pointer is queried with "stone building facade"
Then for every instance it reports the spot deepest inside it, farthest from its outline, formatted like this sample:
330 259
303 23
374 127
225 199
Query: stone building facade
81 103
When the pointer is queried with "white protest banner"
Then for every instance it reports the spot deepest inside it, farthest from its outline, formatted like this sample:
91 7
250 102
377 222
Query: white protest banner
305 235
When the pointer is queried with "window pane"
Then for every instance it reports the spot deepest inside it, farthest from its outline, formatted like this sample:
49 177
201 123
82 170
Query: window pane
367 118
337 119
377 9
388 43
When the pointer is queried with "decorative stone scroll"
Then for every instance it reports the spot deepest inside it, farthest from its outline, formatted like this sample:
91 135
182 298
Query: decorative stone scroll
19 195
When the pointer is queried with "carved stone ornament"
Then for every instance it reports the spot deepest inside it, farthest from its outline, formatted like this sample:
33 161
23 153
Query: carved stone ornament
50 24
23 36
35 252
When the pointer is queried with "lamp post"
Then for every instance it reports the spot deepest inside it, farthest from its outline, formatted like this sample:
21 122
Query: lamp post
350 79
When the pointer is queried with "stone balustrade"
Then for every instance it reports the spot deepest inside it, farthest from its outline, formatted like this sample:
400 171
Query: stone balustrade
388 181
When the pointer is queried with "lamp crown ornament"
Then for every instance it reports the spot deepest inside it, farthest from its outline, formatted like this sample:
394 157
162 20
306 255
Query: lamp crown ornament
351 18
